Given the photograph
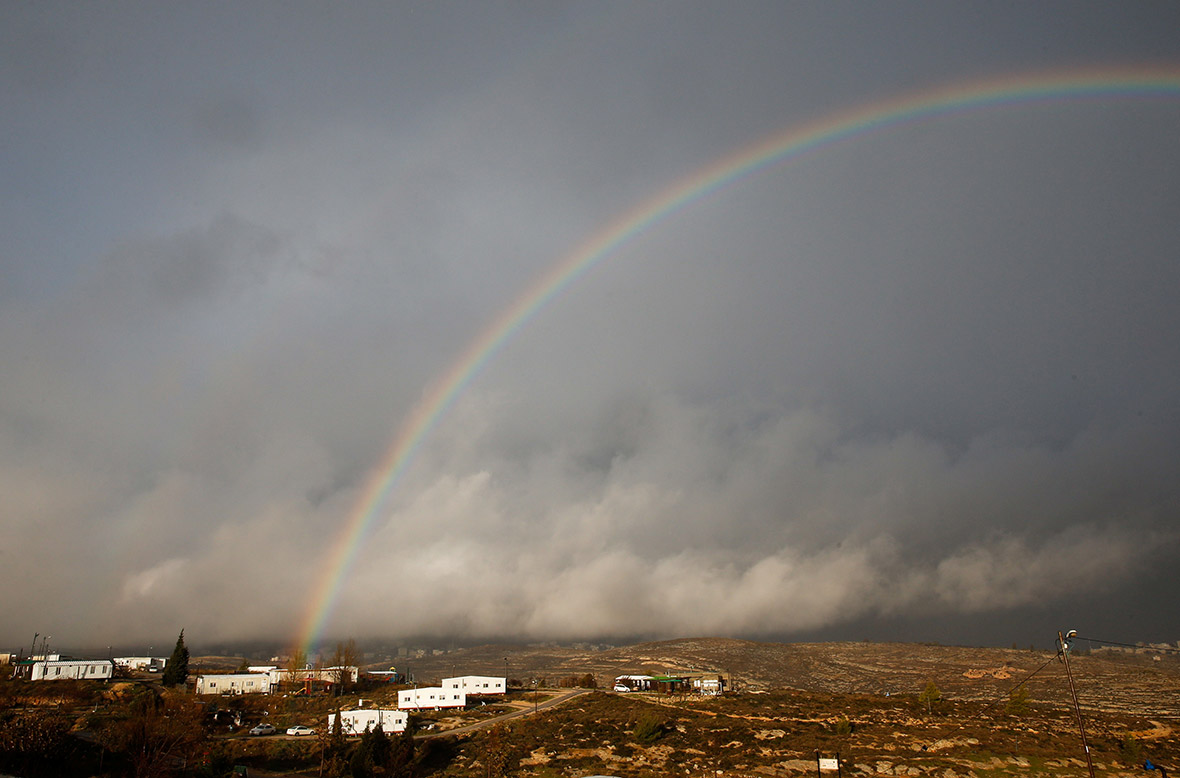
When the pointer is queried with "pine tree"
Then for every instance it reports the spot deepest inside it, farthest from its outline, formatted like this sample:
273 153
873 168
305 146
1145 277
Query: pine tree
176 673
401 761
929 696
380 747
361 763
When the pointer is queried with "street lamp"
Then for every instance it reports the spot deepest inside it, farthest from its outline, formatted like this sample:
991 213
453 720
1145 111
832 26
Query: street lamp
1063 641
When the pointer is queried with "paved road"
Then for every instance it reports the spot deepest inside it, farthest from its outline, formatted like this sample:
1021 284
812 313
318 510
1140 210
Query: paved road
525 710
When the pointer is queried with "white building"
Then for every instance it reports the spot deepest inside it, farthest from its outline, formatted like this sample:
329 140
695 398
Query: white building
143 663
78 669
233 683
476 684
322 675
634 683
708 683
355 722
431 697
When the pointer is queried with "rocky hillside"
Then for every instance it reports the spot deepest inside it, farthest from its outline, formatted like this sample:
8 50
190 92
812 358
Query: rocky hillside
1123 682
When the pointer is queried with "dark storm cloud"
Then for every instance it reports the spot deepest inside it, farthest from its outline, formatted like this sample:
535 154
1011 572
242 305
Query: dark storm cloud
927 373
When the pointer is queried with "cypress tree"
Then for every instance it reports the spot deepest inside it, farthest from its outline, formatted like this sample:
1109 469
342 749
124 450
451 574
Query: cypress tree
176 673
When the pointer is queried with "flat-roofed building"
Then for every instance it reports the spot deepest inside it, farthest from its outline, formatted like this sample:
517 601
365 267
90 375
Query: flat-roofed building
76 669
233 683
477 684
355 722
431 697
151 664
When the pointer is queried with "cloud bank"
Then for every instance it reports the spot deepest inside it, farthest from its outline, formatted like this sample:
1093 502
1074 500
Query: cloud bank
927 374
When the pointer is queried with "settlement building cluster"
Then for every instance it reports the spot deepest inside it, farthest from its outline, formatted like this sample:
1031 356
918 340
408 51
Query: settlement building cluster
452 693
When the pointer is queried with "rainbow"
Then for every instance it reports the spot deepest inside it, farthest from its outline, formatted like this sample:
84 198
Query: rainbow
777 149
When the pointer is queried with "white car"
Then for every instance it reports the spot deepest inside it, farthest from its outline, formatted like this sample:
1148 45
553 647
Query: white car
299 729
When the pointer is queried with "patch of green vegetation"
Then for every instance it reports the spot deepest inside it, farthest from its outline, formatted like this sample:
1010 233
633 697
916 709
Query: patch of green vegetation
842 727
648 729
1131 751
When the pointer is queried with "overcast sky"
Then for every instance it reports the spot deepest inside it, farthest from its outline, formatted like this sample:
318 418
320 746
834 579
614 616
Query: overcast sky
923 384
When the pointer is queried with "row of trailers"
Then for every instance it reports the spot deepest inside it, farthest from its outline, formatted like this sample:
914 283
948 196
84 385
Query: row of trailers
451 693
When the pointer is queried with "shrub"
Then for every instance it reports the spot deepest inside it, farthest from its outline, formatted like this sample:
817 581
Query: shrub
648 729
36 743
1131 751
1018 700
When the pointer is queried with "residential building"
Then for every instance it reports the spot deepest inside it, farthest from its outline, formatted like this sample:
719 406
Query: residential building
431 697
233 683
151 664
633 683
78 669
315 675
707 683
477 684
355 722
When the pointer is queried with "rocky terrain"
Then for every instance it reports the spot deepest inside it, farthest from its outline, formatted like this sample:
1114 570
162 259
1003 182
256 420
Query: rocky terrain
858 701
882 709
1147 682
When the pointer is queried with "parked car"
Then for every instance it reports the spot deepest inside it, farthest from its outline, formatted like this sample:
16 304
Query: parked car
263 729
299 729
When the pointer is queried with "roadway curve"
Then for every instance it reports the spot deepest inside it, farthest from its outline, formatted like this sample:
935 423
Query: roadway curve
527 710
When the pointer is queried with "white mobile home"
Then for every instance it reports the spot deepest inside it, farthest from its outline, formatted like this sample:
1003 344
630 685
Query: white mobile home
431 697
317 675
233 683
476 684
153 664
78 669
355 722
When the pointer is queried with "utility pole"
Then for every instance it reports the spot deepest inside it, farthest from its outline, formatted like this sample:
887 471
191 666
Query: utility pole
1064 647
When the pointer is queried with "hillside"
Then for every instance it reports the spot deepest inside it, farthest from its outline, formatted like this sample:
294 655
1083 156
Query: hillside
1117 682
863 702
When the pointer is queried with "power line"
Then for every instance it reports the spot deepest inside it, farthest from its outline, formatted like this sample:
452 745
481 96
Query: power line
1008 694
1164 648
